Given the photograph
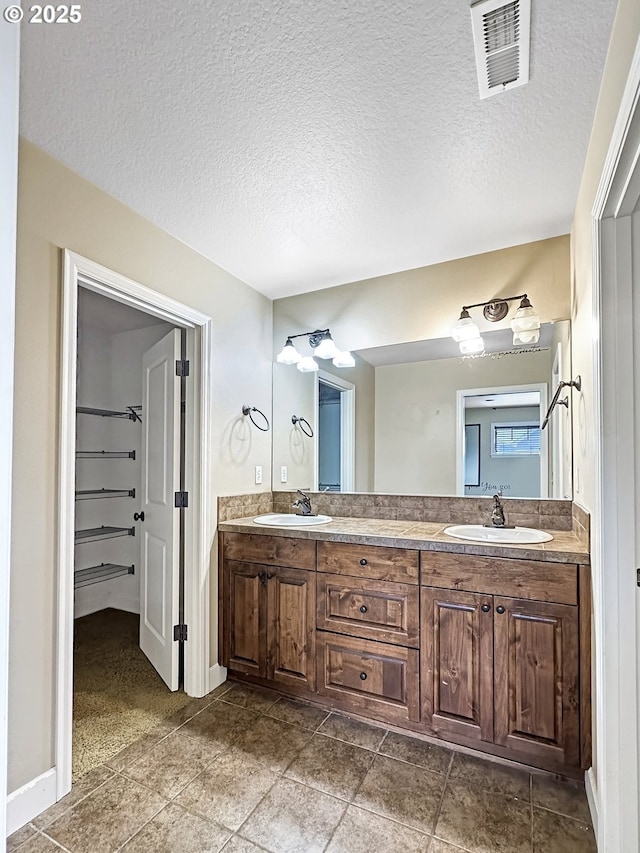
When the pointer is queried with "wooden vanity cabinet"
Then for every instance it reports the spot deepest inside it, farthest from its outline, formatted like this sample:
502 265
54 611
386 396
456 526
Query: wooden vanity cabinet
502 670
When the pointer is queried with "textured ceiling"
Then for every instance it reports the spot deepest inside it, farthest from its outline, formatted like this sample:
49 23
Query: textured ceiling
301 144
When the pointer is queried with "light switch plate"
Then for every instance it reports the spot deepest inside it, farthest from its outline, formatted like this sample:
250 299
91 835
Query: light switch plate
283 474
258 474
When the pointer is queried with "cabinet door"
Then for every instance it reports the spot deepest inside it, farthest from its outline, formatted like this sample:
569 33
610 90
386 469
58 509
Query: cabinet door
536 679
292 627
457 663
245 625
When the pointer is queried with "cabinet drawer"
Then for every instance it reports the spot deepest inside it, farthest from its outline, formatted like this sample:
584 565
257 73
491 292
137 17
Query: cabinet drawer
375 610
367 676
532 579
368 561
270 550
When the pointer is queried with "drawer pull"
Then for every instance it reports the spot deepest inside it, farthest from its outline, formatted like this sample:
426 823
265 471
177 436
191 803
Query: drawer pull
363 562
500 609
364 608
486 608
363 676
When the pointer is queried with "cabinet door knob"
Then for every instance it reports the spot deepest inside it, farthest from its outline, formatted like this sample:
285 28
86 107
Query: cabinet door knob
363 562
486 608
500 609
363 676
364 608
138 516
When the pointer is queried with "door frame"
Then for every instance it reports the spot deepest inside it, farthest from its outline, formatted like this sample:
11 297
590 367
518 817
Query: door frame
347 429
556 468
615 513
82 272
461 395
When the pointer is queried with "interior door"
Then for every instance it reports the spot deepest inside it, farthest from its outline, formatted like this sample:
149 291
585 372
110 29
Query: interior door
159 532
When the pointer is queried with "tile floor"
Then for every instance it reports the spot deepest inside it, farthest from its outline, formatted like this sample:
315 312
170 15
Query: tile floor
245 770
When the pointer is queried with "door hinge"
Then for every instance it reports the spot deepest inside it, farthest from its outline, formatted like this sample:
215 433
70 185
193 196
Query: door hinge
180 633
182 499
182 367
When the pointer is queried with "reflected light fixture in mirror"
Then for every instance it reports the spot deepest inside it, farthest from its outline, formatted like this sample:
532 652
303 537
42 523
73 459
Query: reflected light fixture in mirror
525 324
323 346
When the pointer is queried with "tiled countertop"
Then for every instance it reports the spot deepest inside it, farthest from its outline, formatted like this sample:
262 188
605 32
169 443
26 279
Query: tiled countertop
565 547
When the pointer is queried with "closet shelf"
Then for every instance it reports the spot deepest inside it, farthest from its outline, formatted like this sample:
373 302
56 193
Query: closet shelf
105 454
93 534
94 494
131 413
97 574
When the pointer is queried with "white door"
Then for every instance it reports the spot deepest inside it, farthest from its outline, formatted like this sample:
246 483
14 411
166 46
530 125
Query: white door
160 538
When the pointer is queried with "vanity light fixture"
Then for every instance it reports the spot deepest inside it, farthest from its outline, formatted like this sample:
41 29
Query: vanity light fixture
323 346
525 324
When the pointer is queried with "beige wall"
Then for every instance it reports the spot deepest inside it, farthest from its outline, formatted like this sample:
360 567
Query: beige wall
424 303
293 393
58 209
624 37
415 437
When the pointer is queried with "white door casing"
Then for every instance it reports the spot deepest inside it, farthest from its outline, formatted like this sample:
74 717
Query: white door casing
159 532
347 428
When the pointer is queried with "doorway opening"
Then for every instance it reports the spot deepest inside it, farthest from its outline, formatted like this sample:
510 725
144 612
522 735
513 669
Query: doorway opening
335 445
500 445
134 530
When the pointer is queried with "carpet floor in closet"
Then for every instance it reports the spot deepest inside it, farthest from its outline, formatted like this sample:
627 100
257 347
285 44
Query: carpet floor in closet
117 695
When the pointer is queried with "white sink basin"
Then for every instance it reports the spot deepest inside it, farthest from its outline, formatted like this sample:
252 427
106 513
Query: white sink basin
290 519
514 536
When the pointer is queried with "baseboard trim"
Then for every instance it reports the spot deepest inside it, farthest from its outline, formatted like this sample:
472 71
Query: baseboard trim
592 798
217 676
31 800
102 601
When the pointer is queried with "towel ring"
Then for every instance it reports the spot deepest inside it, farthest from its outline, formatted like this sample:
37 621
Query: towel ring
249 410
302 421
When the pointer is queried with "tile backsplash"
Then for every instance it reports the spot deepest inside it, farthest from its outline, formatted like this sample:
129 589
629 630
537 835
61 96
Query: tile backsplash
241 506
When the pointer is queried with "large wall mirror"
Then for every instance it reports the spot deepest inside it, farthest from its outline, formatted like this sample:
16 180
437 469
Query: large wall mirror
417 418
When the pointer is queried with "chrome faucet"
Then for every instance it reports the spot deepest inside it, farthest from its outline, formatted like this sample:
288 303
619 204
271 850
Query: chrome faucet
497 514
303 502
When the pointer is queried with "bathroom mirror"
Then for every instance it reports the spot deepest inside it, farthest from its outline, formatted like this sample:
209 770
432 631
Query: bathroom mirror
417 418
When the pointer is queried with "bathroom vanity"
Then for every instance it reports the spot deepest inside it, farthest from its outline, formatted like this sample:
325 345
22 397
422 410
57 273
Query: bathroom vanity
481 645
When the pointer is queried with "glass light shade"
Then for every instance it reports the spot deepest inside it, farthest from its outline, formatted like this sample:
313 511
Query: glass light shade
474 346
531 336
288 354
326 348
344 359
525 320
307 364
465 330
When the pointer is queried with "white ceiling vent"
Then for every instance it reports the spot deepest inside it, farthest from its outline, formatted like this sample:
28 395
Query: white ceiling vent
501 35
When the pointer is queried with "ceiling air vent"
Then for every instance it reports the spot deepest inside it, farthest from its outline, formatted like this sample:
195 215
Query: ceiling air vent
501 33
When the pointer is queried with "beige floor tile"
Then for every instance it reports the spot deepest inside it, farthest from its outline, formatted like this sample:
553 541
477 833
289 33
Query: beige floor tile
220 724
40 844
247 696
490 776
363 832
293 818
241 845
272 742
172 764
298 713
482 822
175 829
427 755
554 833
183 714
18 838
439 846
81 789
133 752
352 731
332 766
228 790
402 792
560 795
104 820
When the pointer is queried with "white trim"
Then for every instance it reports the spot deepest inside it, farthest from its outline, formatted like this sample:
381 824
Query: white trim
81 272
347 429
31 800
101 601
9 64
592 798
613 514
217 676
461 395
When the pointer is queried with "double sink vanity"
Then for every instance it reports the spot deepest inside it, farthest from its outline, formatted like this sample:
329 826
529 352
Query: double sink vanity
479 643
